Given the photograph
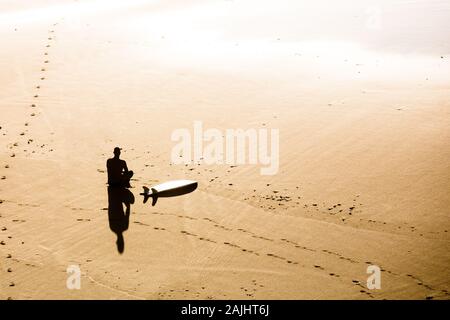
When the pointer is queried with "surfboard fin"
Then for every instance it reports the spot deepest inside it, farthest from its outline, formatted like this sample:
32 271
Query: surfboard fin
147 194
154 196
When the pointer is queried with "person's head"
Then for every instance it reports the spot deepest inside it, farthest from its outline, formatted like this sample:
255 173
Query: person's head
117 152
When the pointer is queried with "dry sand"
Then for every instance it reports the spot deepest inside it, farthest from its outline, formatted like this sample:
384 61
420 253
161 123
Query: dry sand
359 91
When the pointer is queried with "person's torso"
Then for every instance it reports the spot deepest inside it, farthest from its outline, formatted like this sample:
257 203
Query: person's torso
115 168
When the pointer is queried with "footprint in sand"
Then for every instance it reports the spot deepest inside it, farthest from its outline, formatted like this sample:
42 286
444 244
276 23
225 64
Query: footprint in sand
357 282
334 275
318 267
222 227
232 245
275 256
262 238
188 233
206 239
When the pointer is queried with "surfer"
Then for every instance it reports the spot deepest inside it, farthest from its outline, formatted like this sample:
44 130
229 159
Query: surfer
118 173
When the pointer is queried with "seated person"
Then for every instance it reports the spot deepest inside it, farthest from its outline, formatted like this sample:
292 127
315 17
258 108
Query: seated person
118 174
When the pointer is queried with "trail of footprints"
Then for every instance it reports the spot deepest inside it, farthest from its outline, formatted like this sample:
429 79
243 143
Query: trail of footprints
283 199
279 200
183 291
362 288
248 292
6 237
9 260
236 246
26 143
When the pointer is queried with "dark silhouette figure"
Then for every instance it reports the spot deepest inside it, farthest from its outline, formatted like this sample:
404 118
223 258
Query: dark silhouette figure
119 218
118 173
119 196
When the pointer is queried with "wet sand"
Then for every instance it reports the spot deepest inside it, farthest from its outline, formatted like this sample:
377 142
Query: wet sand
359 93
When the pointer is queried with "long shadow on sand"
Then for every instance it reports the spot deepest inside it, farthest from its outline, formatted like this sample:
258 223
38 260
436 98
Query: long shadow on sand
118 216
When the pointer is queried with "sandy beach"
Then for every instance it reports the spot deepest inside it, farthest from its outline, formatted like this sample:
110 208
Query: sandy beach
359 92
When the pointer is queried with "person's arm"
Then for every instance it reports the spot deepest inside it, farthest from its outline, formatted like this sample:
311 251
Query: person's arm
108 162
125 166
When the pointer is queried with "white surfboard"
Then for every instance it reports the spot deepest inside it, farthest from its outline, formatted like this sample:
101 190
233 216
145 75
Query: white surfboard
169 189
